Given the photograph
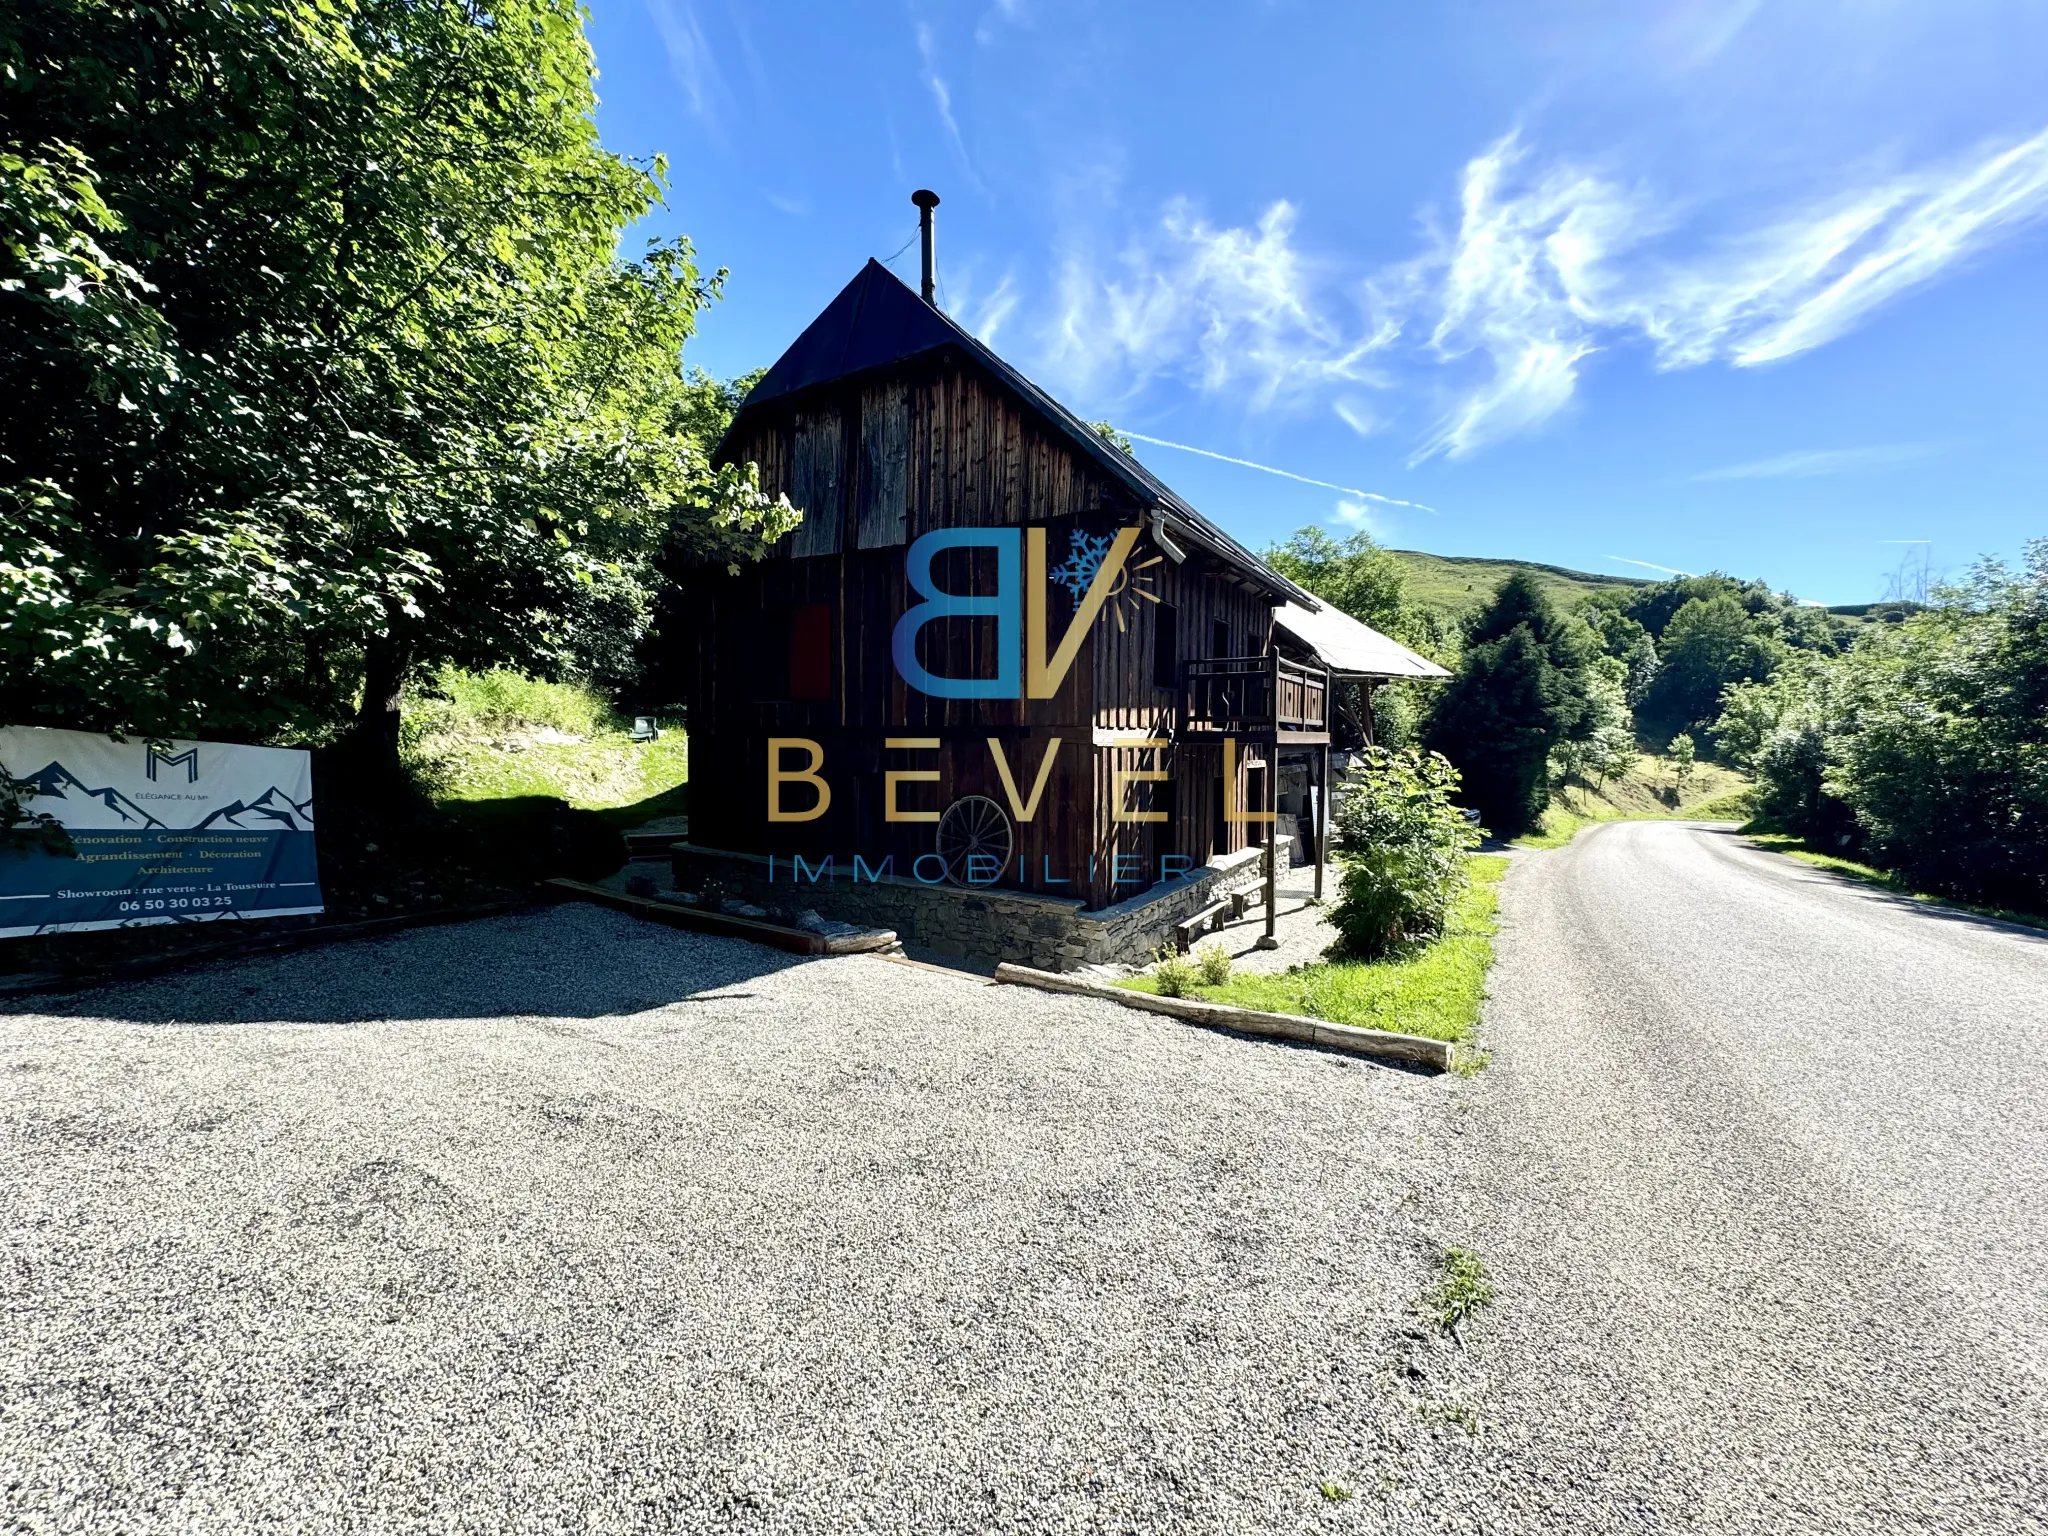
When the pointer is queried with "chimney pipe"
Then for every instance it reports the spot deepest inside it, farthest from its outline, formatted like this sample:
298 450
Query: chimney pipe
928 286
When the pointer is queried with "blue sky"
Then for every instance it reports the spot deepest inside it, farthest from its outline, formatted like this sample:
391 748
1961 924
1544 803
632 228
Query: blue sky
1758 287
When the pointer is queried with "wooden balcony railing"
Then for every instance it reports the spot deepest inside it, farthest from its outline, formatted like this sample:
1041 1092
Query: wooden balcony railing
1255 696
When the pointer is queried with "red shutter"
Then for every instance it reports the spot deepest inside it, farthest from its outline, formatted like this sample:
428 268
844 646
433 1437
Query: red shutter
810 651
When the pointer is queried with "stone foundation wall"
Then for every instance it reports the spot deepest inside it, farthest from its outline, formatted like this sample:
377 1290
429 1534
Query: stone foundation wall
986 923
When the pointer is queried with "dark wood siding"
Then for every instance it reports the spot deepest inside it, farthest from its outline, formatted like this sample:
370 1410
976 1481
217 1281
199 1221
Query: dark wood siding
876 463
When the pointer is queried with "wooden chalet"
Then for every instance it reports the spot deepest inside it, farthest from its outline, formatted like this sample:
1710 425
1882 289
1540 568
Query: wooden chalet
886 421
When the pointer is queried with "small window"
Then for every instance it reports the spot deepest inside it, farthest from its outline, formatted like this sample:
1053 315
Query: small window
810 651
1165 646
1219 638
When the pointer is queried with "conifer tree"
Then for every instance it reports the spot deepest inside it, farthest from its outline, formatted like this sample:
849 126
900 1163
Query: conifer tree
1519 691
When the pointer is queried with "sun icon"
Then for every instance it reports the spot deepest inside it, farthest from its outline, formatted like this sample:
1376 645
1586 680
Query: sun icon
1133 582
1085 554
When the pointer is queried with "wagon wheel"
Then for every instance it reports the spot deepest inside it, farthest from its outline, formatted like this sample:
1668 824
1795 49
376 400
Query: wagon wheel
974 825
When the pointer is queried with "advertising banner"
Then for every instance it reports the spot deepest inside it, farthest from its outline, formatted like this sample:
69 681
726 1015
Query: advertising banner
193 832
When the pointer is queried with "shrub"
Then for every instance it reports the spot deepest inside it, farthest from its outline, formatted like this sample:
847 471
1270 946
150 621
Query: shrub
1401 845
1213 961
1791 788
1176 974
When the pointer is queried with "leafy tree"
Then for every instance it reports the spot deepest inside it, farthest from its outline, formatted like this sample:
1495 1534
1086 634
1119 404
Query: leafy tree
1709 643
1519 692
1604 746
1792 793
1401 846
1357 576
1805 627
1354 574
1684 756
1655 605
320 362
1111 436
1923 747
1624 639
1751 711
1940 739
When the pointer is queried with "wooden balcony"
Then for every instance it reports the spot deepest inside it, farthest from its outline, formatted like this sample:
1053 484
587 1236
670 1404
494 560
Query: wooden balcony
1259 697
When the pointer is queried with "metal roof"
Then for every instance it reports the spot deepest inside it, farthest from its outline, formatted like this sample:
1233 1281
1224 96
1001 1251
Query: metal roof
1351 649
877 321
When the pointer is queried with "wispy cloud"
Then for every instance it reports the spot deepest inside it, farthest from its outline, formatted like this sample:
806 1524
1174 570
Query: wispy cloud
983 314
1359 514
942 98
1549 264
1268 469
1225 308
1518 283
1668 570
1823 461
1358 415
690 61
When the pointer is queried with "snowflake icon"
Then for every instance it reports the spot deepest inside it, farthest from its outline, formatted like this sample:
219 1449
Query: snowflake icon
1085 554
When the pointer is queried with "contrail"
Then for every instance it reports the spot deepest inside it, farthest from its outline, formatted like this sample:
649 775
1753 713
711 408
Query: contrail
1666 569
1285 474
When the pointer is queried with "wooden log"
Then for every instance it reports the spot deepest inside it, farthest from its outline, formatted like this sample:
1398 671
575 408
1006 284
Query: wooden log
799 941
1379 1043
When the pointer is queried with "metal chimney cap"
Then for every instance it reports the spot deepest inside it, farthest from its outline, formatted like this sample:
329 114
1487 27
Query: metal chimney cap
925 198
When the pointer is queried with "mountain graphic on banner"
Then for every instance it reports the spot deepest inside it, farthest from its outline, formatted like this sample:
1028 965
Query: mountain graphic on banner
59 783
271 808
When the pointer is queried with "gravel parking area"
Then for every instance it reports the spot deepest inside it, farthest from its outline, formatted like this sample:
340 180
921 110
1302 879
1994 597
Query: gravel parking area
564 1221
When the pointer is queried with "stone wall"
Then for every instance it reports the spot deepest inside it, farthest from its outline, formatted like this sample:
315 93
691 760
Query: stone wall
984 923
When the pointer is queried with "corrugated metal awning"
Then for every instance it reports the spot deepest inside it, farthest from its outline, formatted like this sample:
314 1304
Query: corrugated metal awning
1349 648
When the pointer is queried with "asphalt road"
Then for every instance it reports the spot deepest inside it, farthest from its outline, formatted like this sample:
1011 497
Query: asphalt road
1761 1170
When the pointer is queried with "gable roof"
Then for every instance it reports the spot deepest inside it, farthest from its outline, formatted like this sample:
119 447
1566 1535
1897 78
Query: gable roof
878 321
1349 648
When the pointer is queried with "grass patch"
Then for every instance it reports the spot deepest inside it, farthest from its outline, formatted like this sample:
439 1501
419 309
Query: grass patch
1462 1288
1458 585
1460 1414
1870 874
1435 993
1648 792
478 736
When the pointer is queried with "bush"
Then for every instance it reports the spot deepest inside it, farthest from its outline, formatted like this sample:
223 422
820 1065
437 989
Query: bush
1401 845
1791 787
1176 974
1922 749
1213 961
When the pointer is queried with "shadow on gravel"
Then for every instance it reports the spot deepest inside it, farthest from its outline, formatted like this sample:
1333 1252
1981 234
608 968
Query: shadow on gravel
1899 901
570 962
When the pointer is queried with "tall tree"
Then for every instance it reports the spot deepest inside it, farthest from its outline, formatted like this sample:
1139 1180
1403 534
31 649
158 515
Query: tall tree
1710 643
1355 574
320 361
1519 692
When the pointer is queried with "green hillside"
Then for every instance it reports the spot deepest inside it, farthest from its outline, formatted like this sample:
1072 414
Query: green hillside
1457 584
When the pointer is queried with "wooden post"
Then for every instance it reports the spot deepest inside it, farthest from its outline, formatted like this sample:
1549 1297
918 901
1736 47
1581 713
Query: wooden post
1271 940
1322 761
